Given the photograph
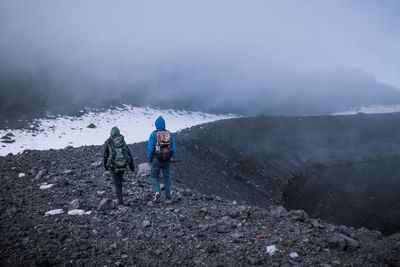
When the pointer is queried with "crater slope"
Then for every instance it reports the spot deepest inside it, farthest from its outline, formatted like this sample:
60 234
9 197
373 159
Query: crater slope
344 169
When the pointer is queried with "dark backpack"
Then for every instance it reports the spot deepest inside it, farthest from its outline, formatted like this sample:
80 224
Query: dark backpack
163 149
119 158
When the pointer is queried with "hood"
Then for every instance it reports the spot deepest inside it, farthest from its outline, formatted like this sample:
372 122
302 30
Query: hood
160 124
114 131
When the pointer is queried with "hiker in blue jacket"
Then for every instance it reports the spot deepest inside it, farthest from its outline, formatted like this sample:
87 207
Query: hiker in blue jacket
161 151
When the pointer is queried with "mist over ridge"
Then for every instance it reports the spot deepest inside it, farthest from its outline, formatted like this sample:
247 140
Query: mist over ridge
270 58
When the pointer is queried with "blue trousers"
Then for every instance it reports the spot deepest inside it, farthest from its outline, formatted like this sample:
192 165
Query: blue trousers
156 166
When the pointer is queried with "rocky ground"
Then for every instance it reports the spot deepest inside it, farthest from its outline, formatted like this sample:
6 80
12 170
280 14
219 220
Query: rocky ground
57 209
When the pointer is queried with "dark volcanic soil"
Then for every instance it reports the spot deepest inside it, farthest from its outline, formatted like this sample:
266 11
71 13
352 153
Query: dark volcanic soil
301 162
344 169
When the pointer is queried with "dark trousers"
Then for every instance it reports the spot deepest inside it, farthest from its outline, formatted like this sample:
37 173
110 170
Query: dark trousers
117 177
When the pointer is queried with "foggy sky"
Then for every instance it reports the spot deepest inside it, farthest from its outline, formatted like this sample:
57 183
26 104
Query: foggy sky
184 47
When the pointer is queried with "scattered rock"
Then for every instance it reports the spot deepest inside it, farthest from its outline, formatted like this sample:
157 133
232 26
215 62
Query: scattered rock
7 135
100 193
222 229
91 126
8 141
363 230
254 261
105 204
144 169
395 236
68 172
32 172
96 164
123 209
74 204
212 248
278 211
25 241
21 175
341 241
40 174
316 223
146 223
298 215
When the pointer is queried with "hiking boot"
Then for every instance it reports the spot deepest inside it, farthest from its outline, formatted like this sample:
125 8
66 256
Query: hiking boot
156 196
168 201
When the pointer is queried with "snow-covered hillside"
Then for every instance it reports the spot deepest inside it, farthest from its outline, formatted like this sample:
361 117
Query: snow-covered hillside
135 123
370 109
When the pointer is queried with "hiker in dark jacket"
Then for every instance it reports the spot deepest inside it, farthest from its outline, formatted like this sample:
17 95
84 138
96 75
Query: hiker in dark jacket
117 158
161 162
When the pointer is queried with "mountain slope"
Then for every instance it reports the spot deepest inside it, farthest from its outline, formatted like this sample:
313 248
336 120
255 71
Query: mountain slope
196 229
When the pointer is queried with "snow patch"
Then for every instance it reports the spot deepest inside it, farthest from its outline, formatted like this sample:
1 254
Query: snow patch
21 175
76 212
54 212
45 186
370 109
135 123
271 250
294 255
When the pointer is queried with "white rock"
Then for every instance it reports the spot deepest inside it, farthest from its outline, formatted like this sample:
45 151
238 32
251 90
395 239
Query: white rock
21 175
294 255
76 212
88 212
54 212
271 250
146 223
46 186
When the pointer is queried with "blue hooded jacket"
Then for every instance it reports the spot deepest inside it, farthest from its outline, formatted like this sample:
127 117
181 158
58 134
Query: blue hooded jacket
160 126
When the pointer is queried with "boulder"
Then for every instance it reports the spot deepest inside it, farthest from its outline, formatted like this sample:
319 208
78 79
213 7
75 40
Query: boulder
68 172
341 241
395 236
40 174
7 135
298 215
146 223
278 211
7 138
105 204
316 223
254 261
74 204
221 228
144 169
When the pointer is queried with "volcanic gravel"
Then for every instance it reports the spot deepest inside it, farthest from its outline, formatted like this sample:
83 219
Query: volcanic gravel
204 226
